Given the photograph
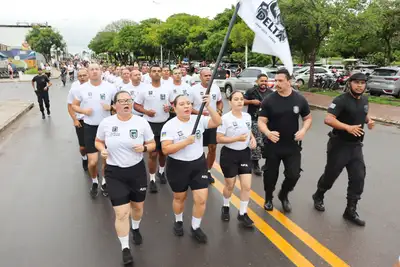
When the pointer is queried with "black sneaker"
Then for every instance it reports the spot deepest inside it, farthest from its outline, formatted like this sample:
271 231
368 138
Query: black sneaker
48 112
162 178
94 190
318 203
136 236
178 228
225 216
245 220
283 197
268 205
126 256
85 164
153 187
353 217
104 190
199 235
43 116
211 180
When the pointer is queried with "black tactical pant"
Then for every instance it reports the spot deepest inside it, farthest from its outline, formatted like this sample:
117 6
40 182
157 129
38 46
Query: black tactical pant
291 157
342 154
43 97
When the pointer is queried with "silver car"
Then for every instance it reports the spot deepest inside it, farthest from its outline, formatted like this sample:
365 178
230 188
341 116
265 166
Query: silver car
384 81
247 79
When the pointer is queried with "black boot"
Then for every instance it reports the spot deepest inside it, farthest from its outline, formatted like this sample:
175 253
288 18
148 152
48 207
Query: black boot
283 197
318 198
256 168
351 214
43 116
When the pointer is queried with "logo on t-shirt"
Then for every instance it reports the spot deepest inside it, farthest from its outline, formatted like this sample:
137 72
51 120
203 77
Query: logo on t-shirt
133 133
175 91
184 92
89 94
150 92
214 97
366 108
162 96
103 96
114 129
198 134
234 124
296 109
163 134
248 125
201 93
180 133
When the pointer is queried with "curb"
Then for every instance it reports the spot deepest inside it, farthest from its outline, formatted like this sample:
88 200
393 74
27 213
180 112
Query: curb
392 122
16 117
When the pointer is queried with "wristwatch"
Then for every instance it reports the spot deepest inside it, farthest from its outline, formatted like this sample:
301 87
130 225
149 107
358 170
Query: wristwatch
144 148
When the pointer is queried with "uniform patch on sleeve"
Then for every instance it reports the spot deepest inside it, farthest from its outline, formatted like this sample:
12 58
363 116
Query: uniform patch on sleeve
163 134
332 106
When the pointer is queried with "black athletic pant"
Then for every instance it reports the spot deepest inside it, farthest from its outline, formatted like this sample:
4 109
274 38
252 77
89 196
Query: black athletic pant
342 154
291 157
43 97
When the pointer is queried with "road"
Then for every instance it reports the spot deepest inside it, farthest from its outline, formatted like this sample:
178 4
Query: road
48 219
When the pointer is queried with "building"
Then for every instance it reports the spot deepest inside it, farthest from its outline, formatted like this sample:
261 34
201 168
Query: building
3 47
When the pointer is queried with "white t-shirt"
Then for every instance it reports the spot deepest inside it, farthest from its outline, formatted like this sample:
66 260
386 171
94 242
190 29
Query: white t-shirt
232 126
199 91
168 82
72 95
121 86
118 80
93 97
177 131
187 79
182 89
120 137
70 68
155 99
134 91
146 78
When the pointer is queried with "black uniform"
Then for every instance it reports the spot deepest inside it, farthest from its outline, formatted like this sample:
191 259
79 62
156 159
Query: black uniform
283 116
255 94
42 95
344 149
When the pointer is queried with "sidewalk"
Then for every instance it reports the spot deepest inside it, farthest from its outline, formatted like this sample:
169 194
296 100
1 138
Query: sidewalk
55 74
378 112
11 110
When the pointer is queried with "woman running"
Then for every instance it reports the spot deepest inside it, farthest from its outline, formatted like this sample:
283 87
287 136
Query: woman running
126 137
187 166
235 160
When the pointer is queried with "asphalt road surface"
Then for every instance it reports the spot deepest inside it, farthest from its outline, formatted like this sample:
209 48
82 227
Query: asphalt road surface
48 219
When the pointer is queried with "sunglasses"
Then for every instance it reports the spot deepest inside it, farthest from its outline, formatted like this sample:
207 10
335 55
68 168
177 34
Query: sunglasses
125 101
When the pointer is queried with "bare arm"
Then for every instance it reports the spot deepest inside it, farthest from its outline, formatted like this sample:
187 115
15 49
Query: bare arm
99 144
307 121
76 106
262 125
71 112
140 108
215 118
332 121
222 139
168 147
33 85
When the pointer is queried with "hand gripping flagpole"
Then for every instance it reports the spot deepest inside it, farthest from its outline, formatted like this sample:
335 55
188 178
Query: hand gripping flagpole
217 63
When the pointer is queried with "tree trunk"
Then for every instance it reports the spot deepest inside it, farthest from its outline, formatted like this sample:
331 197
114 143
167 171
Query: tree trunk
312 62
388 50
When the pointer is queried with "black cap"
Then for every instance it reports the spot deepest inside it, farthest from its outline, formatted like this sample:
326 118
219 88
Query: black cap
39 69
358 77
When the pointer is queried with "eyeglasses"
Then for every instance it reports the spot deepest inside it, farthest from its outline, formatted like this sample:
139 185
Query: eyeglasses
125 101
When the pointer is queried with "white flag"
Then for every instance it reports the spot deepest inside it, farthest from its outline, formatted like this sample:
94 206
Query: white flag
264 18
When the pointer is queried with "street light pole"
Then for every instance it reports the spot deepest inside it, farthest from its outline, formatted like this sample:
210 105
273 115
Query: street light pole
161 46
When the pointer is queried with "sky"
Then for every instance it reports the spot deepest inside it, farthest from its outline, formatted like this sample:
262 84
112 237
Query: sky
79 20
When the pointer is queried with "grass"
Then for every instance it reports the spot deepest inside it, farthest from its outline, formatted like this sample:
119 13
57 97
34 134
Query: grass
383 100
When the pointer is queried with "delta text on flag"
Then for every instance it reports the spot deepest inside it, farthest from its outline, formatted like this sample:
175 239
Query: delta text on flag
264 18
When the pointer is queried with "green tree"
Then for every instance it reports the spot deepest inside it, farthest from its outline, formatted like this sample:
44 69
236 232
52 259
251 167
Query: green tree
117 26
103 42
43 39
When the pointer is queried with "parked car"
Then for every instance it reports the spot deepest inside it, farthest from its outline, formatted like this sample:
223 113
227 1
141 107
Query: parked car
303 75
247 79
384 81
366 69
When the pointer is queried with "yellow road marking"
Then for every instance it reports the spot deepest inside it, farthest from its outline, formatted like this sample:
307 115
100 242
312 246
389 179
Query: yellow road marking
305 237
287 249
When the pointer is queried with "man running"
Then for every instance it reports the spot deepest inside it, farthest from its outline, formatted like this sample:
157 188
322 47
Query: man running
153 102
125 82
135 87
93 100
42 91
210 135
166 79
83 77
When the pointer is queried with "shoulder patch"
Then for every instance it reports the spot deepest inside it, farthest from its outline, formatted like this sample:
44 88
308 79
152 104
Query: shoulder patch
163 134
332 106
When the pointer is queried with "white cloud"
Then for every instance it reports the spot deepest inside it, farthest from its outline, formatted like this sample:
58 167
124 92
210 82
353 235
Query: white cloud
78 21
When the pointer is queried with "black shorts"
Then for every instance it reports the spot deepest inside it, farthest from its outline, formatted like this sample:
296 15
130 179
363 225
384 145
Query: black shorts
184 174
90 137
210 137
156 128
235 162
80 133
126 184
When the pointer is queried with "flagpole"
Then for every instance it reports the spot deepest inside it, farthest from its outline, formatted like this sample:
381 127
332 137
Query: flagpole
217 63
